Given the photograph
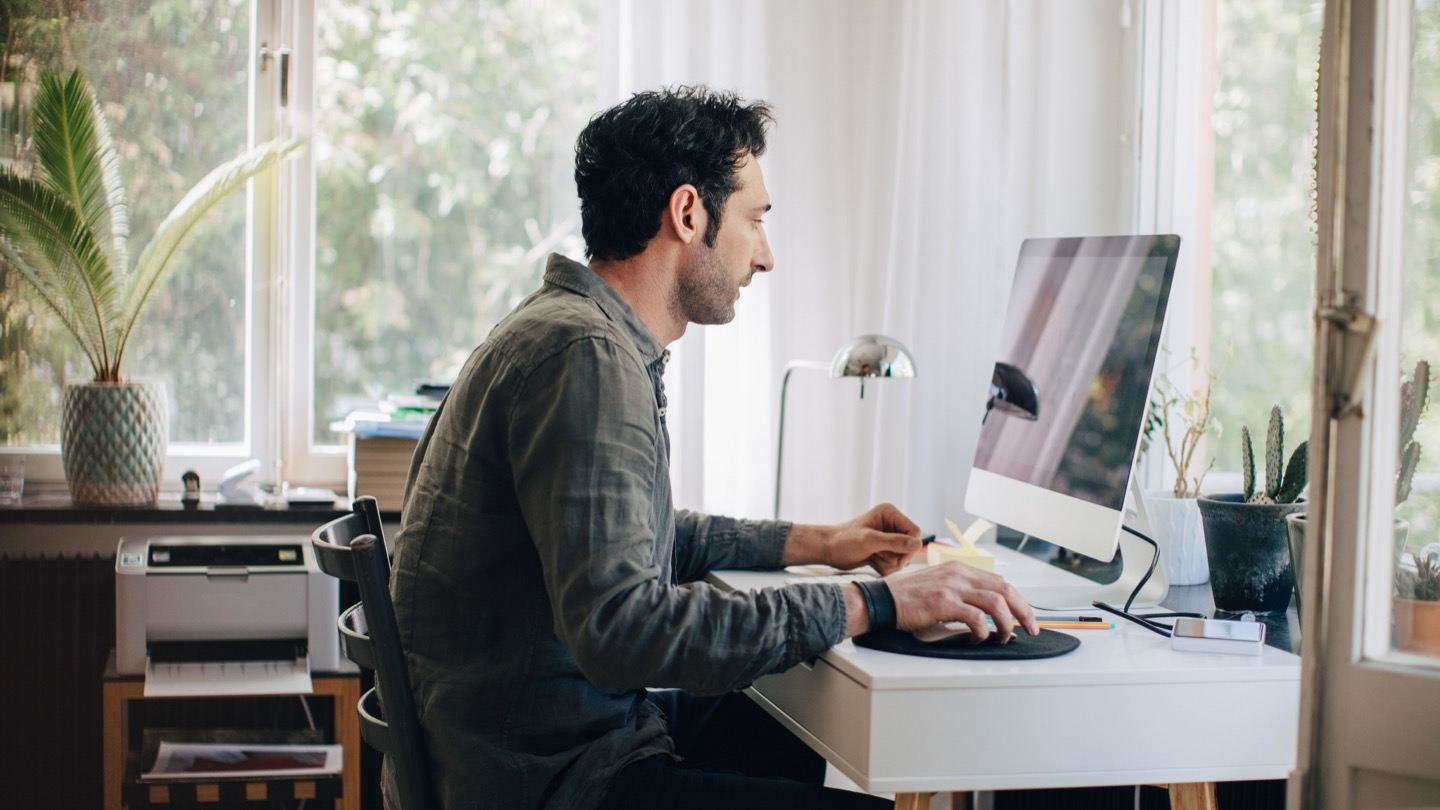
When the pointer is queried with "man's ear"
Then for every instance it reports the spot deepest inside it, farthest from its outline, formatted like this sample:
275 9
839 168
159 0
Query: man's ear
685 215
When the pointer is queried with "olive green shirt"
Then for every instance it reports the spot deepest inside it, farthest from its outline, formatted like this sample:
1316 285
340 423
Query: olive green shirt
543 578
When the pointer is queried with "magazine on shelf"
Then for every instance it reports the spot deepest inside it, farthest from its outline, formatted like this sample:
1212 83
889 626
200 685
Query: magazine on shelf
216 761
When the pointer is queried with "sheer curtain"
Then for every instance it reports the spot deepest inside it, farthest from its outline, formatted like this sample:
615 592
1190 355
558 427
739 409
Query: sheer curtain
917 143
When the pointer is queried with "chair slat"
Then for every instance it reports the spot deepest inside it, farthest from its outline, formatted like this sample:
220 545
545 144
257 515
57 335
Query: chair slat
353 639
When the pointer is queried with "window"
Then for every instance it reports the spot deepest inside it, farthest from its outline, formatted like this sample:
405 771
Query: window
437 178
1421 311
171 78
443 169
1267 56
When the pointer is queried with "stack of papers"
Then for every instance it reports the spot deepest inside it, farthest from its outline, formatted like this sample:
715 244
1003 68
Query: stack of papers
399 416
216 761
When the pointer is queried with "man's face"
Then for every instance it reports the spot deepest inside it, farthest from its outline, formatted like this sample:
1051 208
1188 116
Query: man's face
710 282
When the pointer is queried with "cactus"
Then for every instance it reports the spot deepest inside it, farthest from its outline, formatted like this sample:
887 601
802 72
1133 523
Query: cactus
1279 488
1274 452
1294 481
1414 397
1423 584
1247 462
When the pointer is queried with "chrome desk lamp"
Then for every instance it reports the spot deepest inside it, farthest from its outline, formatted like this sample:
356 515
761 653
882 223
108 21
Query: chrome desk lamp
865 356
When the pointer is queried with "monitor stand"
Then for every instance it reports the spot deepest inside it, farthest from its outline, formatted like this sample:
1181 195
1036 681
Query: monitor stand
1051 588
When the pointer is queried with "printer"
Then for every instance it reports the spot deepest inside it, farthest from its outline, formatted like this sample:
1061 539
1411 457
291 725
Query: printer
206 615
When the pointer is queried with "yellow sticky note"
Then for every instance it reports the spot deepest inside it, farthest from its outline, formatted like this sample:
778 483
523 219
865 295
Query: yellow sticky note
967 552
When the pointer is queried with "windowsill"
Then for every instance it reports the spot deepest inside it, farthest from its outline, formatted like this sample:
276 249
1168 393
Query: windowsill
56 507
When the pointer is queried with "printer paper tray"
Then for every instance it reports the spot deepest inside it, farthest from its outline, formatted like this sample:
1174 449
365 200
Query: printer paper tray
204 678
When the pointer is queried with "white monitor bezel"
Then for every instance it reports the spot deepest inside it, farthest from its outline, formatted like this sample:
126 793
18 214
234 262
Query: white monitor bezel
1064 520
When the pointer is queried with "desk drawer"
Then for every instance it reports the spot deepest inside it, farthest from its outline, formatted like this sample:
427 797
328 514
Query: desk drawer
822 706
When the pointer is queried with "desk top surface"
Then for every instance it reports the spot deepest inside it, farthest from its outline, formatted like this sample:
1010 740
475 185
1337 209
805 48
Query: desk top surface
1128 654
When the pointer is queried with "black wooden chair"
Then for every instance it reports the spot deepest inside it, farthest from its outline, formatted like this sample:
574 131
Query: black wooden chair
352 548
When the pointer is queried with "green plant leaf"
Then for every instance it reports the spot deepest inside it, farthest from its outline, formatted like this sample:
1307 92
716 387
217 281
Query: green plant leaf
77 158
1274 452
68 263
1409 461
1295 473
1247 462
57 300
215 186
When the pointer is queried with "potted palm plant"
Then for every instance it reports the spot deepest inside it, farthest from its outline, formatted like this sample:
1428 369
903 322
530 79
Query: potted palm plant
63 227
1181 419
1245 535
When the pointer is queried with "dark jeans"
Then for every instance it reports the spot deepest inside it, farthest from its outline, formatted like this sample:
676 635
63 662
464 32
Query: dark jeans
735 755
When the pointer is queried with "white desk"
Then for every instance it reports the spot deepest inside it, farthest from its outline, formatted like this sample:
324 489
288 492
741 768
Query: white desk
1123 709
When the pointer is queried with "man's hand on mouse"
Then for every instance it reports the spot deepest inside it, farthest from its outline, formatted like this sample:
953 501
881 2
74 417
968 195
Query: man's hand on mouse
956 592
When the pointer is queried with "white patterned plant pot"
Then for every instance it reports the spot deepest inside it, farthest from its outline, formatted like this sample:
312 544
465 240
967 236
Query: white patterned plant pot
112 442
1181 535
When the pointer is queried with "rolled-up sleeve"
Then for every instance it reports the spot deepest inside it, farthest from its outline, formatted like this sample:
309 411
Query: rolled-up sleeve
584 448
704 543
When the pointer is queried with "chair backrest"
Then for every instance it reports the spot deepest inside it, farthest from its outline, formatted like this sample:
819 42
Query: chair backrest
353 548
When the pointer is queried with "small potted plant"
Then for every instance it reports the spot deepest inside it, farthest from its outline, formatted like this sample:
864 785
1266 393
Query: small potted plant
1417 606
1180 419
1414 398
1245 535
63 228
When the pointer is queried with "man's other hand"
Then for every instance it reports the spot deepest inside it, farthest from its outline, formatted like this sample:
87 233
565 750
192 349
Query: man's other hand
882 537
956 592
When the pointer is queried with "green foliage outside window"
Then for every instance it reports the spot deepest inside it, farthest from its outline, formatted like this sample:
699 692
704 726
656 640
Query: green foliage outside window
444 157
1263 254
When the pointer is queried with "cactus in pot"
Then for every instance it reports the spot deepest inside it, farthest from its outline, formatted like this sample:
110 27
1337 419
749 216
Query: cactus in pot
1246 540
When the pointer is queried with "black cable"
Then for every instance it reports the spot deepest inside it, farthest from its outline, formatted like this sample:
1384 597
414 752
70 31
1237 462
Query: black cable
1145 620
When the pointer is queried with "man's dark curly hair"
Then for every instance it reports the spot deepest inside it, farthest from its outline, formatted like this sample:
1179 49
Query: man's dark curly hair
631 157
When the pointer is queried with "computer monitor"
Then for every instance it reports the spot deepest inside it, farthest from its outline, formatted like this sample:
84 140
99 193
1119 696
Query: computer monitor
1070 389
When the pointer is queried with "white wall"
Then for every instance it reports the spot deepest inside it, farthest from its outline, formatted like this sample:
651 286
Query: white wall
918 142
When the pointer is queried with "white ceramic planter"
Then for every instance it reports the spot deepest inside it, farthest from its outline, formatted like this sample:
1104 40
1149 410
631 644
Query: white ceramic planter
112 442
1181 535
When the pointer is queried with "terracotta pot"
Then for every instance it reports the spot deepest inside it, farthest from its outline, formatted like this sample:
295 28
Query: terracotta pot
112 442
1417 626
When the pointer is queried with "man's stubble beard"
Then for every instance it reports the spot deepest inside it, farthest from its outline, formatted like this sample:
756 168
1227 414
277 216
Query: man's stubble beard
705 294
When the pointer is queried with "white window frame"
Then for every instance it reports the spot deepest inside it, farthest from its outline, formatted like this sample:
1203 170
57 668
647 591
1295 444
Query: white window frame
43 467
293 355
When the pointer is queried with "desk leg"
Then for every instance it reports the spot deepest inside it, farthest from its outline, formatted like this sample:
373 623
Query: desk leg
1193 796
346 694
115 699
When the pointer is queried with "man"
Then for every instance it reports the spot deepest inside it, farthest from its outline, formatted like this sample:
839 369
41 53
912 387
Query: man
543 578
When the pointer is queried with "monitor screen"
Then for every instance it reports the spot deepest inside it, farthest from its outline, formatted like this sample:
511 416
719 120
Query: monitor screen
1075 360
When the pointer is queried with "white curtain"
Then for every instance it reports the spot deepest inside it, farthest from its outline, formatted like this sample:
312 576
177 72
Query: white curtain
917 143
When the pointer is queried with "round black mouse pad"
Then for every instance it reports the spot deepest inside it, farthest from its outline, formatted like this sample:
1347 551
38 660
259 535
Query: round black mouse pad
1022 645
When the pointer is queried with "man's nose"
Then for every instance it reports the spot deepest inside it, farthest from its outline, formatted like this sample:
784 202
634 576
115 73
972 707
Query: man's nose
764 261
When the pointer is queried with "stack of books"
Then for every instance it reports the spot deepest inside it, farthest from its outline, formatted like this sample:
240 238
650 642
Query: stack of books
381 443
378 466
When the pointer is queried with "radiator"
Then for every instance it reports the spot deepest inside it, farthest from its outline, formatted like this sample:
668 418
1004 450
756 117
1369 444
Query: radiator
57 624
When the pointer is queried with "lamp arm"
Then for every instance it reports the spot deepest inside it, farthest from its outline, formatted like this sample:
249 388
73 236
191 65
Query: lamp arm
780 441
